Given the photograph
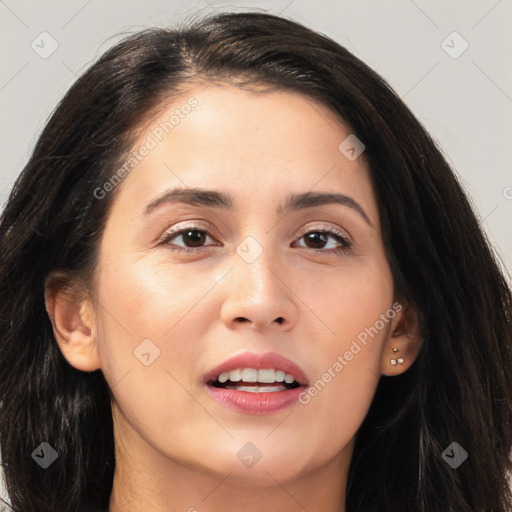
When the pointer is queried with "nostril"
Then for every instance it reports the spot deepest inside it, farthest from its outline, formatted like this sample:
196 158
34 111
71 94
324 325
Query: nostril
242 319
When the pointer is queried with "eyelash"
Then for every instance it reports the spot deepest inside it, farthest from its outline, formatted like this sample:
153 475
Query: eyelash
330 232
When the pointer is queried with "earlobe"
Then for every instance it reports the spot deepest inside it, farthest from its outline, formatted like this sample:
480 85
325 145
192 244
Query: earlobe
403 343
72 316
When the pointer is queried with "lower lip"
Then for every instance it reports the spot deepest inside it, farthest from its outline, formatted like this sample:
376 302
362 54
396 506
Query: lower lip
255 403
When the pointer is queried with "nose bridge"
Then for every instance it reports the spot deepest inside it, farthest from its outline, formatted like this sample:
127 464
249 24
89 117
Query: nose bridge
254 264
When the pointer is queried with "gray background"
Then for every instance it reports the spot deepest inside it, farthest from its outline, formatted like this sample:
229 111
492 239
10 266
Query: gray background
465 102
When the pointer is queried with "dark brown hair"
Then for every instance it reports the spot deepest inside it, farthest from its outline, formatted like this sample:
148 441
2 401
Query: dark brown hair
460 387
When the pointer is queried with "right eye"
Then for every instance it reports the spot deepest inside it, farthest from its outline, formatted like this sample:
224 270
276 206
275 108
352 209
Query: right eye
192 239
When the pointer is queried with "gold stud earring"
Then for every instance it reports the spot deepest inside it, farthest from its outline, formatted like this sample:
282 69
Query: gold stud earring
399 360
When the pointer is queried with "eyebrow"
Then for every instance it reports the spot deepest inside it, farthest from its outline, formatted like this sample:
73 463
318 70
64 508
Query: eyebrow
224 201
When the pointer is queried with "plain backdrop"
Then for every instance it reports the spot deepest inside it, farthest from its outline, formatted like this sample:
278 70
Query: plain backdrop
448 60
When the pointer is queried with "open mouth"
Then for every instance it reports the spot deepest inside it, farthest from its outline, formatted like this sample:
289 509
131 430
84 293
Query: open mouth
252 383
251 380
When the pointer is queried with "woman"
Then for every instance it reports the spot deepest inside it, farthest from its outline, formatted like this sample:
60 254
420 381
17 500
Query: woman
335 336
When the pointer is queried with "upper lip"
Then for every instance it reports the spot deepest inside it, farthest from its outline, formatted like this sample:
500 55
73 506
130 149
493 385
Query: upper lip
258 362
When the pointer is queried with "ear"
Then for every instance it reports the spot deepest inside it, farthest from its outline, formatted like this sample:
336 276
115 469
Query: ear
71 313
403 342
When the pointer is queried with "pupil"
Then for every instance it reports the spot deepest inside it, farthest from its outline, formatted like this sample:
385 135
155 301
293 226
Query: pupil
316 238
196 240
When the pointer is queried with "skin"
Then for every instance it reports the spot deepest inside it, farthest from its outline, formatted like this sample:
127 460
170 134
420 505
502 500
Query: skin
176 447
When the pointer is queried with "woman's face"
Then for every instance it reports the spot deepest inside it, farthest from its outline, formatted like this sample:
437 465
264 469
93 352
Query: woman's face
282 263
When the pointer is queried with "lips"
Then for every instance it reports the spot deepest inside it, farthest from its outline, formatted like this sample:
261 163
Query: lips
248 360
256 383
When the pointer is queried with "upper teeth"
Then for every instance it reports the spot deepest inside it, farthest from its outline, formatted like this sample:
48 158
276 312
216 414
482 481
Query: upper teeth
252 375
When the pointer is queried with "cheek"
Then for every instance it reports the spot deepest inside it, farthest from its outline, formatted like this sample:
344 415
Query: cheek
151 299
147 306
357 308
149 342
349 303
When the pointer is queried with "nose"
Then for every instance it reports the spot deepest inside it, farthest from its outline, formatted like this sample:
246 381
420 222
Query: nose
257 296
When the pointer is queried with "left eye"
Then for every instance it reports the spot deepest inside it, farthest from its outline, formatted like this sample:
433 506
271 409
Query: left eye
322 236
194 238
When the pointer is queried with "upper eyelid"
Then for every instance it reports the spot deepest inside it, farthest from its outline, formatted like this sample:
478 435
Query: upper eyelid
208 228
201 225
326 227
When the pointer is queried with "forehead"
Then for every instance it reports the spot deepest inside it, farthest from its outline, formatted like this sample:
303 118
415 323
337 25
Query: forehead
246 142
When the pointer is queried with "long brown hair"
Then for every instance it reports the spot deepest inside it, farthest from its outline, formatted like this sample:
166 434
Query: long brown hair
458 390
